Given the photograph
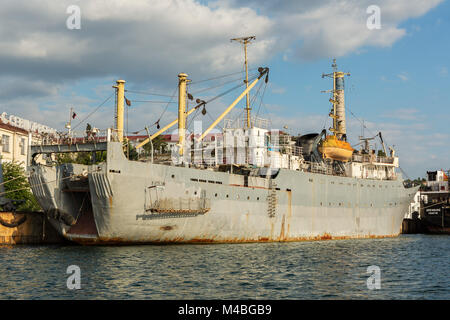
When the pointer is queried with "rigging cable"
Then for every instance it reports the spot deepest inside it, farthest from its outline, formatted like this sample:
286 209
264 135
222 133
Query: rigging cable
90 114
220 85
220 77
148 93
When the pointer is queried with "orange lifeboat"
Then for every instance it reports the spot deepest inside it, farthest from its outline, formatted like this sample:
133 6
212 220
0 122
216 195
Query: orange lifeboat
332 148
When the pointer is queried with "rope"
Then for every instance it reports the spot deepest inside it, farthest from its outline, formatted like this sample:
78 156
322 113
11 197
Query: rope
222 84
148 93
151 101
40 184
11 180
435 204
93 112
220 77
261 100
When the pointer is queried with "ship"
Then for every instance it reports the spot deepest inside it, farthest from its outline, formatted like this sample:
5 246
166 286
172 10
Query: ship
255 184
434 200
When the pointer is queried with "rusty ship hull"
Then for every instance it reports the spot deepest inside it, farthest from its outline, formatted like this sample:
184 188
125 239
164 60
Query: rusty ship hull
121 201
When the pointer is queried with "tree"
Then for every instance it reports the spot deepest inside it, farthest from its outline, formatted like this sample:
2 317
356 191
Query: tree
13 170
158 143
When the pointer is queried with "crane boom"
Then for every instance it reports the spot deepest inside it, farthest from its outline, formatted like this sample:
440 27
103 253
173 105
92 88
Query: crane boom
174 122
262 72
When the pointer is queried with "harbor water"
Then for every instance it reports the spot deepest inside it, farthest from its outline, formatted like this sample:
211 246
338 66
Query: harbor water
410 267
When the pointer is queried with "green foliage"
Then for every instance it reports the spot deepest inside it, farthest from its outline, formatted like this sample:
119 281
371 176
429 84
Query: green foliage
417 182
13 170
132 153
80 157
158 143
381 153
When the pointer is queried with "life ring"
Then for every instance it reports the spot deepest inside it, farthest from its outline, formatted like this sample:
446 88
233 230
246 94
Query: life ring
13 224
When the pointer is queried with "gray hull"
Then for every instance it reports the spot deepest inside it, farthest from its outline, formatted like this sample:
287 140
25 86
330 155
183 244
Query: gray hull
123 201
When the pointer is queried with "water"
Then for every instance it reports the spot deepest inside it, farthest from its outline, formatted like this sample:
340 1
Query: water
412 267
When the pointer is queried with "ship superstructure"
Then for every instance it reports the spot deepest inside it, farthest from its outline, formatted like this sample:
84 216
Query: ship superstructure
247 183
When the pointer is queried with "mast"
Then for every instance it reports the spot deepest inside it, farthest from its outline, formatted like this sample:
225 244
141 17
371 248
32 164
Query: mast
120 93
182 80
338 112
245 41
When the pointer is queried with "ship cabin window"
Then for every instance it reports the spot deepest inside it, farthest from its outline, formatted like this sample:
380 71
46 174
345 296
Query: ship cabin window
248 198
215 195
173 176
257 198
227 196
432 175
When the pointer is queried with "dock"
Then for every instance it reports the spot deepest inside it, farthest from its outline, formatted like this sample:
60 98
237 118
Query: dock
27 228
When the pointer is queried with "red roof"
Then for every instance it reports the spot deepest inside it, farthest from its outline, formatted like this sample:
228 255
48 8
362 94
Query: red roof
12 128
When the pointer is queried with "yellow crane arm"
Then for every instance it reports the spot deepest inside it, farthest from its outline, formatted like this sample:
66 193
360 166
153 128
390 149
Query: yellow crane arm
262 72
174 122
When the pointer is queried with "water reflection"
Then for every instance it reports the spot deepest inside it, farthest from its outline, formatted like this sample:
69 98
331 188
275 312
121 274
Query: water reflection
412 267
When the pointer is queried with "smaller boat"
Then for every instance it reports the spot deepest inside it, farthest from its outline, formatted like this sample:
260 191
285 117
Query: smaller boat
333 148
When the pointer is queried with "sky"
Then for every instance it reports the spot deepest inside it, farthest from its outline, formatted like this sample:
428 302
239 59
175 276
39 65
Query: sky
399 74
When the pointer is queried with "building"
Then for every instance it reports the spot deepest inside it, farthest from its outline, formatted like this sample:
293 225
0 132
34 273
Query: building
14 143
15 135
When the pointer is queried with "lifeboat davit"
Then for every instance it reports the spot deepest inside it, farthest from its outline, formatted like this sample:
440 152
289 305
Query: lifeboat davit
332 148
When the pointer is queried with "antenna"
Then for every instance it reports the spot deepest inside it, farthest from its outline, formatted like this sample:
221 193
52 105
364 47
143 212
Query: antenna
245 41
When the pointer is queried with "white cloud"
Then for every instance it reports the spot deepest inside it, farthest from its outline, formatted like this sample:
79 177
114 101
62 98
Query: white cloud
403 76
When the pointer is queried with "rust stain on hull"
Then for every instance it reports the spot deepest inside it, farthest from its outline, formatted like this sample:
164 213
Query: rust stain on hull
124 241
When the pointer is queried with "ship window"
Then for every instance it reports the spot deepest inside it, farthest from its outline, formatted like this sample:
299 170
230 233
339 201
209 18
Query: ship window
227 196
195 192
248 198
321 203
173 176
310 180
215 195
196 180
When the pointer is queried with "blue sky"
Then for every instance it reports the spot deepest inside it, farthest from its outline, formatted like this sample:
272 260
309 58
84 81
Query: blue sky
399 81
